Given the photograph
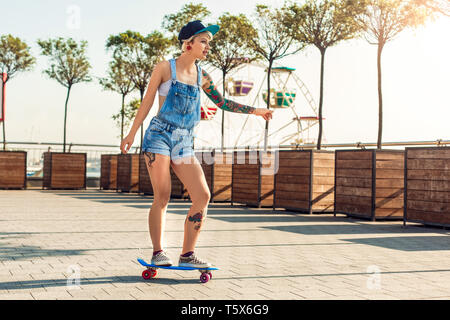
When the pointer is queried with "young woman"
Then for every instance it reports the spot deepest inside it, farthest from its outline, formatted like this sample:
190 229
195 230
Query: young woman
168 138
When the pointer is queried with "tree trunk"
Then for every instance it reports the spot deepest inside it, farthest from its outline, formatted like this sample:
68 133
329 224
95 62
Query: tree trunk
266 133
65 117
142 125
223 111
1 106
322 67
122 114
4 135
380 96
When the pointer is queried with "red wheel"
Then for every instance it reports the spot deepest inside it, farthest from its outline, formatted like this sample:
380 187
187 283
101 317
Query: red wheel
149 273
210 275
204 277
146 274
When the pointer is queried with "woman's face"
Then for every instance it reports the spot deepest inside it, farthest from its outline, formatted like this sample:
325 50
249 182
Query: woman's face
200 46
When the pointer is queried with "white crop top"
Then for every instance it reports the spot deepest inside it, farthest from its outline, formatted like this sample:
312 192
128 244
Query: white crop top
164 88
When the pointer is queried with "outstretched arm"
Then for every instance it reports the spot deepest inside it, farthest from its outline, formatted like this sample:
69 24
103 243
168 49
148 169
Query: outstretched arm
214 95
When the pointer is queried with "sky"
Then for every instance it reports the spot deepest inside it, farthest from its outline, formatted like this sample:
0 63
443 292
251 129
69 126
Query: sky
415 69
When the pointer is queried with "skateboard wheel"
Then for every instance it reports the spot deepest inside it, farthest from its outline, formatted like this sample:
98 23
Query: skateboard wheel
210 275
146 274
204 277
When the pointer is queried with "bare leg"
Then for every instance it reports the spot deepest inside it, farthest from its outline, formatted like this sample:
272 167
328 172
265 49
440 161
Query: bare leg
192 176
158 167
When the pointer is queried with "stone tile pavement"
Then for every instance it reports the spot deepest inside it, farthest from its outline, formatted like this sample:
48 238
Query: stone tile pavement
64 244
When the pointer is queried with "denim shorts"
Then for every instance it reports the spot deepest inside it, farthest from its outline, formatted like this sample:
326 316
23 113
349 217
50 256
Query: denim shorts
166 139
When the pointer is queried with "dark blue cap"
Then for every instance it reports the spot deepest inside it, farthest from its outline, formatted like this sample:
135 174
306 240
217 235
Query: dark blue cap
195 27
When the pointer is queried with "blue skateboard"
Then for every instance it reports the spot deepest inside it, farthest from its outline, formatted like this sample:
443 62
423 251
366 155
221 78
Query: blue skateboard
151 270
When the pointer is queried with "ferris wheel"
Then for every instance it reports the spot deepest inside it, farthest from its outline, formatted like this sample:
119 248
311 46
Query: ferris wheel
295 118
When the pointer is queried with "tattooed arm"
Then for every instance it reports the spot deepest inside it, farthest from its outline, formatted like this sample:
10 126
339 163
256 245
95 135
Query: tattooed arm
214 95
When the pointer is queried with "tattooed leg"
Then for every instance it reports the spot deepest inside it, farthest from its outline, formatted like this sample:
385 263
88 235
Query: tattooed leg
149 158
192 227
196 219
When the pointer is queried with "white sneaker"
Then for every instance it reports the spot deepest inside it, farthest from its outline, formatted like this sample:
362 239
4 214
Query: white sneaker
161 259
193 262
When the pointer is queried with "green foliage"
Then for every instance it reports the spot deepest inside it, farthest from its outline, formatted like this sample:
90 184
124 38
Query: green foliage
14 56
174 22
68 62
129 112
325 23
139 54
232 43
118 79
383 20
275 34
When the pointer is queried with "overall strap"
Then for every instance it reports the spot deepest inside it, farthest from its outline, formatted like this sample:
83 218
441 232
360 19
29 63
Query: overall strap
199 80
173 69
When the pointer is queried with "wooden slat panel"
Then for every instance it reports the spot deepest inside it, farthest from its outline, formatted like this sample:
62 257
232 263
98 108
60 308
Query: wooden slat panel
389 213
362 201
432 164
295 204
354 182
390 174
389 183
431 217
428 174
389 155
354 164
441 207
353 155
425 195
294 171
296 187
292 195
428 185
396 202
430 153
294 155
354 191
304 163
354 173
389 192
390 164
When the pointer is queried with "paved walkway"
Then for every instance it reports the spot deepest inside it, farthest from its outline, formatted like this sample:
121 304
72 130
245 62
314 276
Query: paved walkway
84 245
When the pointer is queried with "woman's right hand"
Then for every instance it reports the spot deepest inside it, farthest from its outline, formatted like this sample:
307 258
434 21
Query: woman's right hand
126 143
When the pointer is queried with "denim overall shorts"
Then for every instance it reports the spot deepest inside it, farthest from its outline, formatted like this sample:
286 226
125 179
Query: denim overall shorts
170 132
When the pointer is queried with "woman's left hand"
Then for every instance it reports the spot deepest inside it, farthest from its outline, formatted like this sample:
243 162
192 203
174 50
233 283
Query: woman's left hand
264 112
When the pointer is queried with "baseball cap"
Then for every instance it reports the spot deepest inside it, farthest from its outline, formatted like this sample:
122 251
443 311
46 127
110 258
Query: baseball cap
195 27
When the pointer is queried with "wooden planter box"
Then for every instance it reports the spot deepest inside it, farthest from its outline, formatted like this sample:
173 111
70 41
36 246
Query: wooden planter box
64 170
427 186
128 172
13 170
370 183
305 181
145 184
253 178
108 172
217 167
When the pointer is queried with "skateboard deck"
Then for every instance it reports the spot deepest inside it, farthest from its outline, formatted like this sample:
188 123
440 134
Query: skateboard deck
151 272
